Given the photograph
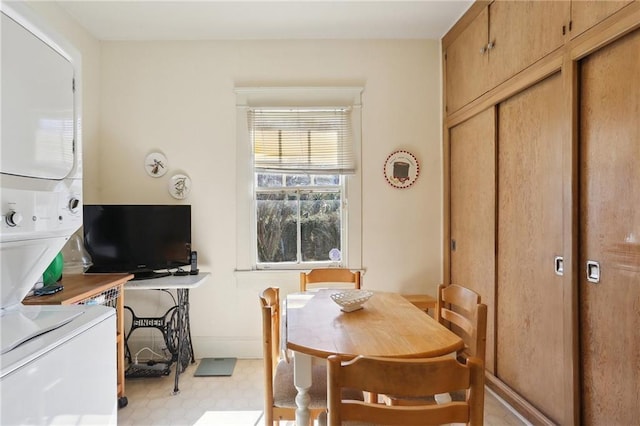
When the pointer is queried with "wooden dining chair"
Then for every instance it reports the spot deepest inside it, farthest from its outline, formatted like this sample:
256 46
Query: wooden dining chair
329 277
407 378
279 391
458 308
462 310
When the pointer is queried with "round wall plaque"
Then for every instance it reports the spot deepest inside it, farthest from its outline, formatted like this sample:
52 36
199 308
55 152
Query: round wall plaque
155 164
401 169
179 186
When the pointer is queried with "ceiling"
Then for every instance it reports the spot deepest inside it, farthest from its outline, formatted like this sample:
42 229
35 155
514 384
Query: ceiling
245 20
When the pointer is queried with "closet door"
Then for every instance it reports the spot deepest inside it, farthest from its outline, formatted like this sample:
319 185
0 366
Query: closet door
472 189
610 234
529 293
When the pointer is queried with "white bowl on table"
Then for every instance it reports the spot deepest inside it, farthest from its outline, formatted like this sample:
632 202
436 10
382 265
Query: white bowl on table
351 300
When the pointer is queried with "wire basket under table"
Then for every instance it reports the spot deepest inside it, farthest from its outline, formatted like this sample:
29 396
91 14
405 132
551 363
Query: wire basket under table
107 298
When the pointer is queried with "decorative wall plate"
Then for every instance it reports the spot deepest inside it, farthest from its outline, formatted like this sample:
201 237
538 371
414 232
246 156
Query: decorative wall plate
180 186
155 164
401 169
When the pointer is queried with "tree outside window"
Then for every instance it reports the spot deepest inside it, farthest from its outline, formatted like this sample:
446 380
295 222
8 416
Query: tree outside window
299 223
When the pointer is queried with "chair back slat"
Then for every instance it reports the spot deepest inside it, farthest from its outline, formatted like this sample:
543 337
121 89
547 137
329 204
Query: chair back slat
329 277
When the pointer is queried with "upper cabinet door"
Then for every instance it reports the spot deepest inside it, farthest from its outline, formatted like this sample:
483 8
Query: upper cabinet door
585 14
522 32
505 38
466 64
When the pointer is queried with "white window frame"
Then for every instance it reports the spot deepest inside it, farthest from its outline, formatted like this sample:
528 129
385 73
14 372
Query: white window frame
251 97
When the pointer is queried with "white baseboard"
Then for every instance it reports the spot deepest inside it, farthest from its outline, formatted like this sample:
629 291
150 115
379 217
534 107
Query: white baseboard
216 347
204 347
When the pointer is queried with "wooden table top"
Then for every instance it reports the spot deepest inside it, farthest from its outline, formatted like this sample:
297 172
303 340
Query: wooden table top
387 326
78 287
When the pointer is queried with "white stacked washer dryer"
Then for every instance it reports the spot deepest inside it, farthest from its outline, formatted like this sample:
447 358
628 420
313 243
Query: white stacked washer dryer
57 363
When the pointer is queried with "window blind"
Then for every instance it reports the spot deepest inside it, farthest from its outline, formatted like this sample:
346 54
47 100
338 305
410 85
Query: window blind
302 140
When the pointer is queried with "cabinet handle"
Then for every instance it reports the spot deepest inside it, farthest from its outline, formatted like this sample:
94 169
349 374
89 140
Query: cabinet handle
558 265
488 47
593 271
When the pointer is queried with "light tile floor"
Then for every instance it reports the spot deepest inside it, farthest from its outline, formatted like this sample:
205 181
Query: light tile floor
226 401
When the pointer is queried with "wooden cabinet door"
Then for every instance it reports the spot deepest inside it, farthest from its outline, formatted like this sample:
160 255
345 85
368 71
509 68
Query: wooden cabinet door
586 14
610 233
522 33
466 65
529 354
472 194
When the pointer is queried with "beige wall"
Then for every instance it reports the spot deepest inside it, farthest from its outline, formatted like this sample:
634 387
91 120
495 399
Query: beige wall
178 97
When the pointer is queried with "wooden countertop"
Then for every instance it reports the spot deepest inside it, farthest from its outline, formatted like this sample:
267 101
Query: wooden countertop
78 287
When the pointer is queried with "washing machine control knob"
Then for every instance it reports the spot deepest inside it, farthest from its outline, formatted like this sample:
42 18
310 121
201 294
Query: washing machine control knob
13 218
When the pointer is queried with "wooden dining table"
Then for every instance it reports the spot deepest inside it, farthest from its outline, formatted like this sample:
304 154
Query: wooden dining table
387 326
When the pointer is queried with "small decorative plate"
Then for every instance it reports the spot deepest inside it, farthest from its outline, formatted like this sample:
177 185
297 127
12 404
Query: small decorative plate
155 164
179 186
401 169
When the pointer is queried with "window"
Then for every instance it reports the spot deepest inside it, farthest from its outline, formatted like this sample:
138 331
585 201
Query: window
302 159
299 224
298 187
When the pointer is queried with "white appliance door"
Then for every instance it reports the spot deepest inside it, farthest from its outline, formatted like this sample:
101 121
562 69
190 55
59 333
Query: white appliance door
72 383
37 106
25 262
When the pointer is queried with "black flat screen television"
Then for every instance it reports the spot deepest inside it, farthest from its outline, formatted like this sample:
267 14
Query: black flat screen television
144 240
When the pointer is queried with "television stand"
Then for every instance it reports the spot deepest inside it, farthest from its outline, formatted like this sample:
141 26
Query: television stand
149 275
